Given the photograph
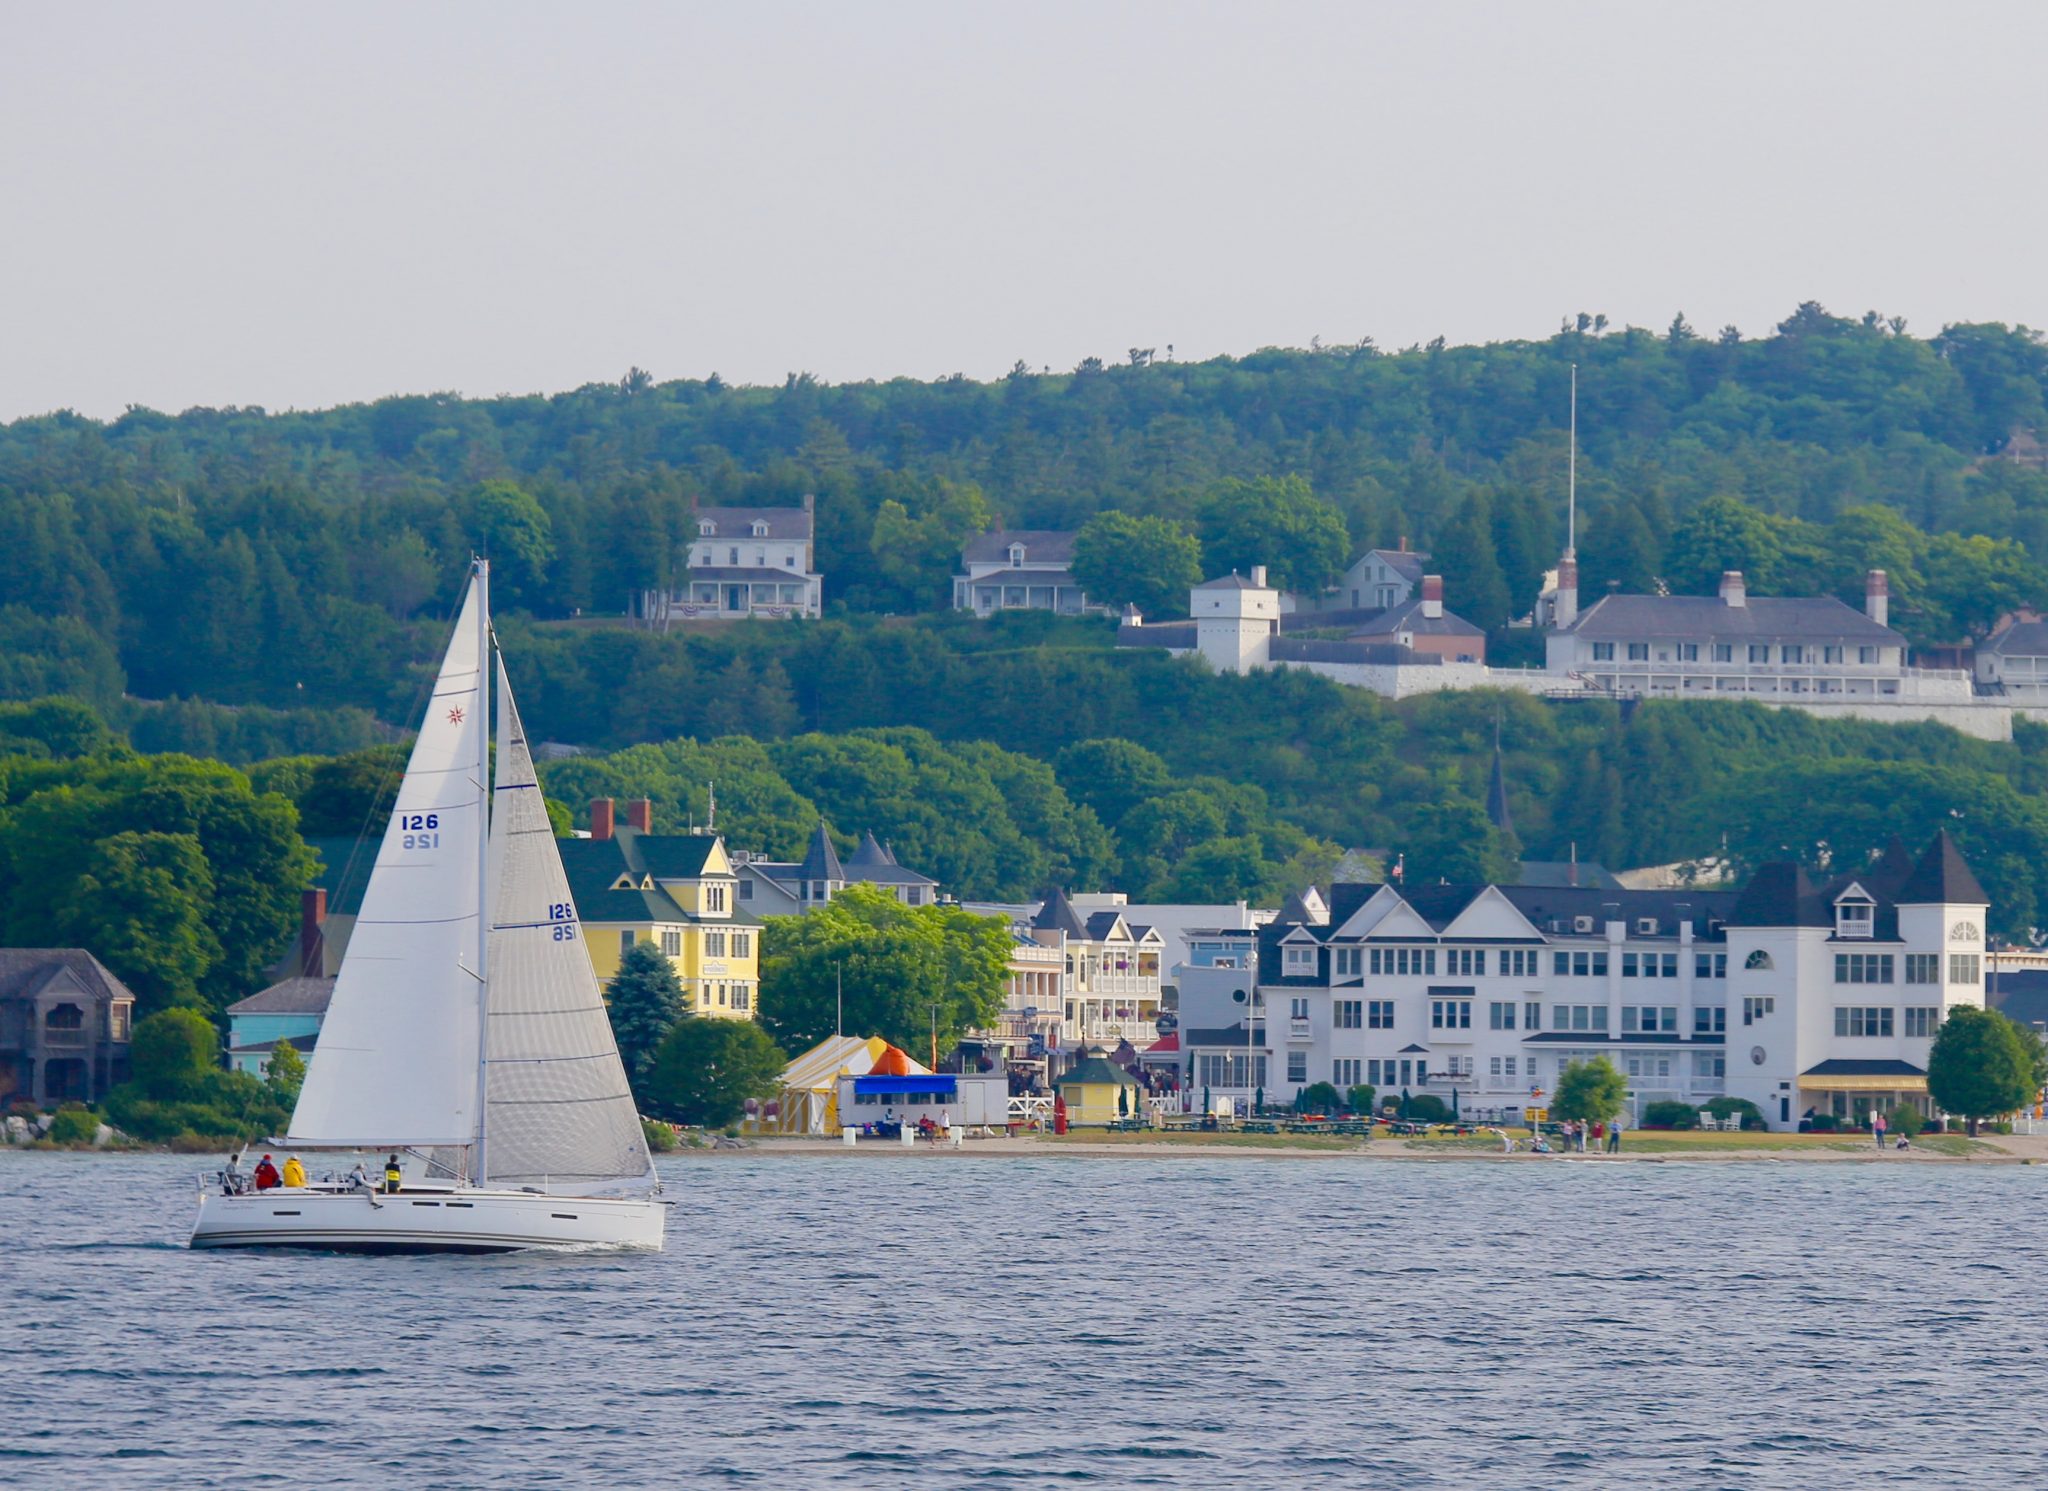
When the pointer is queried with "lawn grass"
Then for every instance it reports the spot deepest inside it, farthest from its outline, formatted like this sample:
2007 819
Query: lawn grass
1198 1139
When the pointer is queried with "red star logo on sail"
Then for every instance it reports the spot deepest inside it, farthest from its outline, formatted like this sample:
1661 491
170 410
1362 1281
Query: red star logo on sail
455 715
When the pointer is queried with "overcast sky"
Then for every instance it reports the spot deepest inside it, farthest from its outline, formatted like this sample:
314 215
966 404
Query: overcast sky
301 205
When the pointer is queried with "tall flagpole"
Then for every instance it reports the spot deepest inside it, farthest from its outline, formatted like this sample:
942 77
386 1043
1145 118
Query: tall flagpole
1571 520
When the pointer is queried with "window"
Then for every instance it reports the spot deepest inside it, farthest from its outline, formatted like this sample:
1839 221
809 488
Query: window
1709 1021
1581 965
1922 1021
1853 918
1704 1065
1347 1073
672 942
1500 1015
1649 1019
1863 968
1493 1067
714 898
1688 652
1349 961
1511 1065
1756 1007
714 944
1963 968
1649 965
1298 962
1297 1066
1757 960
1519 962
1831 654
1710 965
1379 1014
1459 1066
1639 652
1603 652
1532 1015
1450 1014
1724 652
733 556
1860 1020
1400 960
742 997
746 890
1231 1070
1759 652
1298 1007
1866 654
1350 1014
1578 1017
1792 652
1923 968
1965 932
1466 962
625 942
742 944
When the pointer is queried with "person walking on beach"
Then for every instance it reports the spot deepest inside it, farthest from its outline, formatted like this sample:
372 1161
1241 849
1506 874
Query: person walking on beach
1877 1126
1614 1136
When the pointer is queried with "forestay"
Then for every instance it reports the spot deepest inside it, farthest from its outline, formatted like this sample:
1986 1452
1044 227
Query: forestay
558 1110
397 1057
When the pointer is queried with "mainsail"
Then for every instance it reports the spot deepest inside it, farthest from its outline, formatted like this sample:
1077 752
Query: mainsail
558 1111
397 1058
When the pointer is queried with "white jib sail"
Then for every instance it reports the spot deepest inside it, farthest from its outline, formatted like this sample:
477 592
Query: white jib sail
558 1111
397 1058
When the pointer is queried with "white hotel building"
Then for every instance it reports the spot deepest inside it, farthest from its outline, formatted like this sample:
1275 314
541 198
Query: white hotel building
1793 996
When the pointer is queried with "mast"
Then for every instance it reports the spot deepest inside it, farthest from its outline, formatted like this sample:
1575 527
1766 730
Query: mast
483 853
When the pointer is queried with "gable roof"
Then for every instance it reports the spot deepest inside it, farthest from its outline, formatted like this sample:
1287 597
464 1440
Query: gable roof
25 971
1637 618
1408 617
1407 563
2021 639
784 523
305 995
1231 581
1095 1069
1781 895
1041 546
1942 877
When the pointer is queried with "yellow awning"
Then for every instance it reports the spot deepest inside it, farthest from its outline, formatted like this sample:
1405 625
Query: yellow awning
1864 1084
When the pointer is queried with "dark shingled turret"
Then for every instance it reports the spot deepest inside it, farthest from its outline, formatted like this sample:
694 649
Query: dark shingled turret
1942 877
871 852
821 860
1780 895
1058 915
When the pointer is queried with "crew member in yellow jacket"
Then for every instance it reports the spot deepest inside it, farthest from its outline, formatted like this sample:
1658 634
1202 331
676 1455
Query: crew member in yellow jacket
294 1172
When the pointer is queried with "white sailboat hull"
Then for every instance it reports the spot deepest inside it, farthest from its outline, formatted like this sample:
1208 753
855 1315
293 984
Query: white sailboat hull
454 1221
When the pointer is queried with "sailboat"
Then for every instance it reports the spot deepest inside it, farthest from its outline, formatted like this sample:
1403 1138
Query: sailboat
466 1035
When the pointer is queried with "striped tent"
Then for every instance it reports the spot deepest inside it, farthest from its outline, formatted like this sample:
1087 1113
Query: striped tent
808 1103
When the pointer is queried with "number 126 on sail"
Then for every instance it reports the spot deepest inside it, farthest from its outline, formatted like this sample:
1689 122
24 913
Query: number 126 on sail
421 830
562 918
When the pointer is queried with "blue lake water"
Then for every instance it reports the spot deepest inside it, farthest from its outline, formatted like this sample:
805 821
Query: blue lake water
937 1321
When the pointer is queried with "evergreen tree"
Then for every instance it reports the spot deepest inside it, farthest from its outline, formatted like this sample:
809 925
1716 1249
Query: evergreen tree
646 1000
1474 587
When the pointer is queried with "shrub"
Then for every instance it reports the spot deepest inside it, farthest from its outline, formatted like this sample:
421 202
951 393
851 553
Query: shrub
1319 1097
660 1137
173 1052
1824 1123
1906 1120
1670 1115
73 1125
1722 1107
1428 1108
2002 1126
1359 1100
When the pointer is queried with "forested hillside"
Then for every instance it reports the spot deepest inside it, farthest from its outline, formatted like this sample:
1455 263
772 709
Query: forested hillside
246 585
296 558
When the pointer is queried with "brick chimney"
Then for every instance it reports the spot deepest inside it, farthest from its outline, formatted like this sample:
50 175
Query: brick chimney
1877 597
1733 592
312 918
1565 604
1432 596
600 817
1259 575
640 814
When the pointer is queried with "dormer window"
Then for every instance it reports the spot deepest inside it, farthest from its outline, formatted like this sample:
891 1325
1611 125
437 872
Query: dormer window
706 528
760 529
1854 916
1016 556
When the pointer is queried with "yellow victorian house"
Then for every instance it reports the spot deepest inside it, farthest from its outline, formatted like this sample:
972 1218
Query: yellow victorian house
677 891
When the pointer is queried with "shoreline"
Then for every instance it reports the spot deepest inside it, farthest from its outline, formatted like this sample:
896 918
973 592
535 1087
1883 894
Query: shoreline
2004 1149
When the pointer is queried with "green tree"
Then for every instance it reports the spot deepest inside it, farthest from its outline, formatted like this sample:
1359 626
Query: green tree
1978 1067
1589 1091
145 909
1450 838
1465 554
705 1070
1616 547
285 1074
1721 534
172 1053
645 1000
1277 521
901 967
1151 563
919 532
515 533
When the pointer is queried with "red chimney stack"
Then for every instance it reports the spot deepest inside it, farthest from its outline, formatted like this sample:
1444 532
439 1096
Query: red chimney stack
640 814
312 918
1432 595
600 817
